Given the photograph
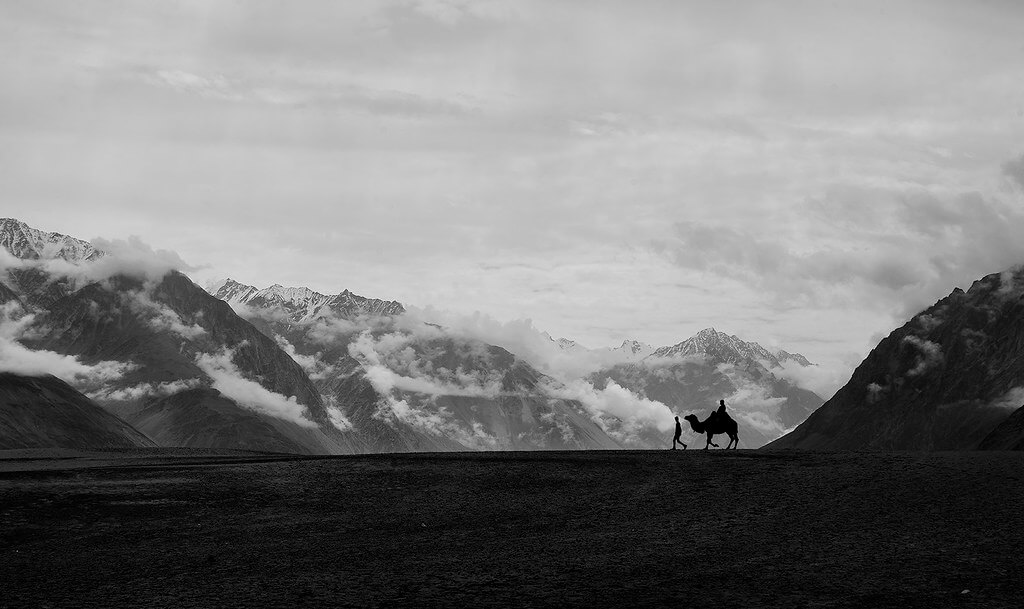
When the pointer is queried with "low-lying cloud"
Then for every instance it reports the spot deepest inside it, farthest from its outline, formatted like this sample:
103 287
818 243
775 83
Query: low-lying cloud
230 381
131 258
523 339
622 414
145 390
161 317
929 355
18 359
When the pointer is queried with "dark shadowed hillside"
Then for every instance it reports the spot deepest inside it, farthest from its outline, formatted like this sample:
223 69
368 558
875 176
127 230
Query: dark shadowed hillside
44 412
1009 435
943 381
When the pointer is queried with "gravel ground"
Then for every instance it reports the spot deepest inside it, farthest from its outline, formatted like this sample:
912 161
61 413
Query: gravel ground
596 529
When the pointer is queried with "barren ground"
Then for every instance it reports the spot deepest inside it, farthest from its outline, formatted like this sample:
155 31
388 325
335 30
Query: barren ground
694 528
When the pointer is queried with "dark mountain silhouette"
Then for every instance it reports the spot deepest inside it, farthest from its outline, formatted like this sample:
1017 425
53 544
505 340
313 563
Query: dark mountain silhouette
944 381
45 412
1008 435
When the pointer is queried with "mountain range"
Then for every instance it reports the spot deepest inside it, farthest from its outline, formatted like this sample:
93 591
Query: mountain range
295 370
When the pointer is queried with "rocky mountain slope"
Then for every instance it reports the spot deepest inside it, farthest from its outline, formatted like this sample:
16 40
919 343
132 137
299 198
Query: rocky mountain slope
411 386
27 243
154 347
951 378
44 412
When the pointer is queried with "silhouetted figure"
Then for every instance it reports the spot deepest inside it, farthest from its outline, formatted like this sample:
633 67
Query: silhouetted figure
721 406
679 433
718 422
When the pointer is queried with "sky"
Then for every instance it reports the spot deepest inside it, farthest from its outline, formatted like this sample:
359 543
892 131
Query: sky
804 174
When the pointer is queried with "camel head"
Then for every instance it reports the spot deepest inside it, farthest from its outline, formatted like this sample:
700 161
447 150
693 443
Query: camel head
692 419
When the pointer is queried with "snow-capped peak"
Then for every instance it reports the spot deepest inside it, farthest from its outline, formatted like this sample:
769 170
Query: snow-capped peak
635 347
565 344
302 303
28 243
785 356
727 348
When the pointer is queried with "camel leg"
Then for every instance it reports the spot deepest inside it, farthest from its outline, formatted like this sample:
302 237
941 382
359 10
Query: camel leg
710 443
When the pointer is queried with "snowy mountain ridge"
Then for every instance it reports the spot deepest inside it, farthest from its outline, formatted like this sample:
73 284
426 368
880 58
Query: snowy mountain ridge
301 303
719 345
728 348
28 243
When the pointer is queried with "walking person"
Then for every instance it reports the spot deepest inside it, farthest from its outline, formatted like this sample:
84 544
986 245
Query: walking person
679 433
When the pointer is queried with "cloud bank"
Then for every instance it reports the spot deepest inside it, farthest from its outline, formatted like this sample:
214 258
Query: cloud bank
230 381
18 359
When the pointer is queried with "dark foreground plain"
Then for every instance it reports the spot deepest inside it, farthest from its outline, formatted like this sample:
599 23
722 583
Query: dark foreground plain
595 529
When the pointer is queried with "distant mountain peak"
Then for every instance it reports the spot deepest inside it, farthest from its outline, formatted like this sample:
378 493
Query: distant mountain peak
28 243
727 348
302 303
633 348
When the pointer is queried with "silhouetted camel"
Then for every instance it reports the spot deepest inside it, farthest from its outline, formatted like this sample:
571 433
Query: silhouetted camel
716 423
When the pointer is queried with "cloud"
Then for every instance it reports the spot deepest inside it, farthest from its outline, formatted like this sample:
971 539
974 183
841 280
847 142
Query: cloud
314 365
821 380
131 257
875 392
1011 400
298 92
929 355
335 415
16 358
521 338
439 422
143 390
391 364
1014 170
900 247
228 380
618 411
410 396
161 317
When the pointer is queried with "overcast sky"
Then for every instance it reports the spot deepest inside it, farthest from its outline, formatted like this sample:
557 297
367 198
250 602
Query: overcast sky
802 174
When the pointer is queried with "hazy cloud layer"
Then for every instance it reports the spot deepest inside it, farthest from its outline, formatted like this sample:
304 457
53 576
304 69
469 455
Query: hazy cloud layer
145 390
522 338
159 316
929 355
610 171
230 381
131 257
16 358
621 413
